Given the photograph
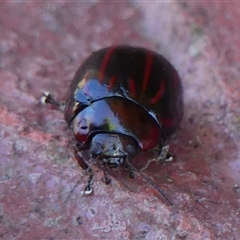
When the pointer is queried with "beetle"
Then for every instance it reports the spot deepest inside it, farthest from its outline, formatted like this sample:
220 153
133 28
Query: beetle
123 100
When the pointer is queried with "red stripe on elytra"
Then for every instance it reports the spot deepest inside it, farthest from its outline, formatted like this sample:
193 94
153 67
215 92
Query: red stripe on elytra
111 82
159 93
105 62
147 71
132 86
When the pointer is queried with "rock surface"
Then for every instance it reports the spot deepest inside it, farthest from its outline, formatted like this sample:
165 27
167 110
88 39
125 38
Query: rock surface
41 46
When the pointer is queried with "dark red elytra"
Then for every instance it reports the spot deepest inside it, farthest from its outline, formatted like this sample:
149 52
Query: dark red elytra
137 74
104 63
132 87
112 82
147 72
159 94
123 100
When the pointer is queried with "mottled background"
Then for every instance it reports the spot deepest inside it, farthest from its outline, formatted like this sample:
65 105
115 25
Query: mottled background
42 43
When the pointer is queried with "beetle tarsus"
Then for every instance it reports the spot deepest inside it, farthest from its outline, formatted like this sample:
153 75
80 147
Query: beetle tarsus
168 158
47 98
163 153
80 160
88 189
107 179
131 172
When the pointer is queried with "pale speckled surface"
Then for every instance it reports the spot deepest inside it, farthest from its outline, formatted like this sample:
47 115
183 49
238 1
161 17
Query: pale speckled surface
41 46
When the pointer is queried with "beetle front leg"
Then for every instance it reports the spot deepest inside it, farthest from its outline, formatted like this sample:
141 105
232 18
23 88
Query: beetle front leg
88 189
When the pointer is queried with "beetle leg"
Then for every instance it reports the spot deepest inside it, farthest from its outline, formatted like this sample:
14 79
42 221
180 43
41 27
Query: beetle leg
88 189
130 168
164 155
131 172
47 98
80 160
163 152
106 177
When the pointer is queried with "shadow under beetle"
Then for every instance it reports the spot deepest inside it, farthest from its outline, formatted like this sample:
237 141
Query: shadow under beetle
122 101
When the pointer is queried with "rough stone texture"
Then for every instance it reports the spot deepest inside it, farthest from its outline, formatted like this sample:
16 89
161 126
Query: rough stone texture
41 46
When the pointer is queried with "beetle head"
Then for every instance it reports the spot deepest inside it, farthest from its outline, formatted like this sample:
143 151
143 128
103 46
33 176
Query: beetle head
113 149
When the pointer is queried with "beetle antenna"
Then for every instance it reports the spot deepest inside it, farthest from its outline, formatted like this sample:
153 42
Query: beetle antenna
72 190
152 183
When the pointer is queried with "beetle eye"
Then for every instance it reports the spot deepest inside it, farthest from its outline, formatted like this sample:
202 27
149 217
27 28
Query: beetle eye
131 150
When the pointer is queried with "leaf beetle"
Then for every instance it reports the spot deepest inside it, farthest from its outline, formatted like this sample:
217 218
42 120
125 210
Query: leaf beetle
122 101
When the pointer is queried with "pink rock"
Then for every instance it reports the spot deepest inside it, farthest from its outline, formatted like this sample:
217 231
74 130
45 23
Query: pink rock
41 45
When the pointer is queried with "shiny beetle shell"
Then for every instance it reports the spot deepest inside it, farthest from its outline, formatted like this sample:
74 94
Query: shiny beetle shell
137 85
